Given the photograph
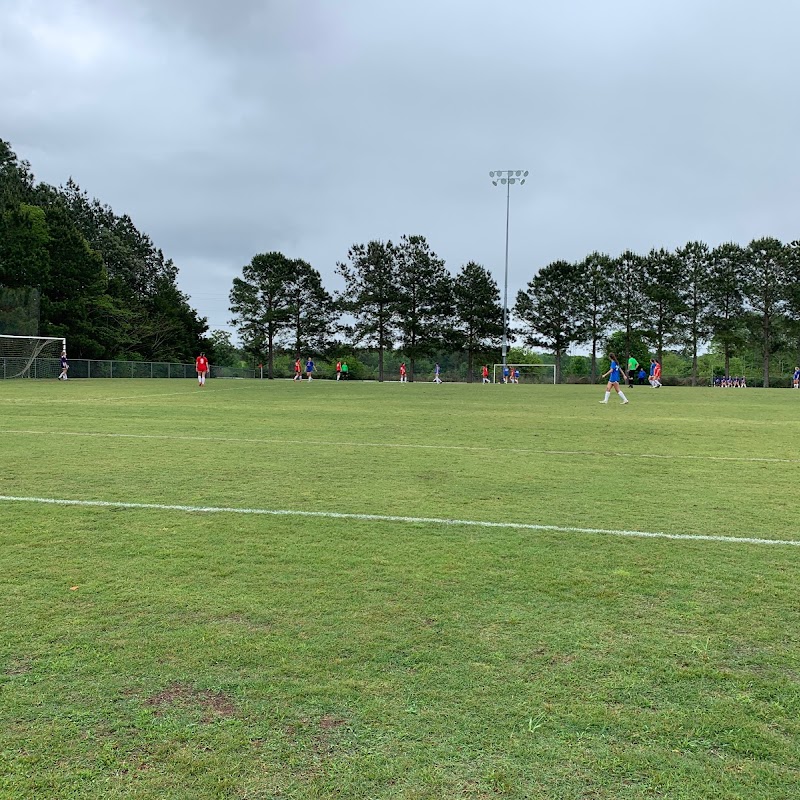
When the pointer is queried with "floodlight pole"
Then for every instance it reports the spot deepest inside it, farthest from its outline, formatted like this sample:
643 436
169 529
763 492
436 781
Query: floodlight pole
507 177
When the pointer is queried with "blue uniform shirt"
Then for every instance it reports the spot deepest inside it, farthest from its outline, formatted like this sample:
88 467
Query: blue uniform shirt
614 377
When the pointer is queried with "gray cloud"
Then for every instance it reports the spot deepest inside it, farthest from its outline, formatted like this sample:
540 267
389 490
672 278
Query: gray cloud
227 129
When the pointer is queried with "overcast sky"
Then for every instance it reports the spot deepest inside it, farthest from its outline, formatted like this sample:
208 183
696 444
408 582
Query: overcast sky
231 128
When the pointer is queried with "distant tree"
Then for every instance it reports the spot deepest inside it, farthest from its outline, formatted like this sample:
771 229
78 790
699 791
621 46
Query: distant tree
764 286
637 345
24 246
594 301
224 352
71 296
16 179
371 295
694 291
478 313
628 300
661 288
725 298
424 300
792 251
547 307
312 311
261 304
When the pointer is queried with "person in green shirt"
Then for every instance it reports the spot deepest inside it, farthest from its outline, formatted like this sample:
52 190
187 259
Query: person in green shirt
345 369
632 365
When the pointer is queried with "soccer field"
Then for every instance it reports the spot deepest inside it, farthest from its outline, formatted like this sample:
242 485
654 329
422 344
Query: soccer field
630 629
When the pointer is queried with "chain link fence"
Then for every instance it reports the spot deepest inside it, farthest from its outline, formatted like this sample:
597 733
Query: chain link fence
96 368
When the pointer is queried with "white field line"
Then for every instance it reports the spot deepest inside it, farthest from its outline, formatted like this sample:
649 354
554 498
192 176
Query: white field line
387 518
403 445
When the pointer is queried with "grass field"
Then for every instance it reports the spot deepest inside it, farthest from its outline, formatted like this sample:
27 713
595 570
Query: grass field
196 652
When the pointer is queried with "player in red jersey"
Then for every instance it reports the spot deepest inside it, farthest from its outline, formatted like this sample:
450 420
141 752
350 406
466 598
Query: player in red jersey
657 376
201 365
485 373
403 378
298 376
339 369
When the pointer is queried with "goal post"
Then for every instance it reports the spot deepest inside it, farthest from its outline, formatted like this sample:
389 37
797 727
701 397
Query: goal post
528 373
31 356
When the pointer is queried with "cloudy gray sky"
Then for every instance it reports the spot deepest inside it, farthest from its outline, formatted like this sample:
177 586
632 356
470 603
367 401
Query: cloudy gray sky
231 128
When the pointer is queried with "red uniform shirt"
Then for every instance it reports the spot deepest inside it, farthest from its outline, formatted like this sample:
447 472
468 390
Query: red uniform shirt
486 372
202 364
297 365
657 371
402 369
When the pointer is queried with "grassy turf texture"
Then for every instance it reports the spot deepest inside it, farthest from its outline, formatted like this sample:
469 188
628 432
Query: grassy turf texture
148 653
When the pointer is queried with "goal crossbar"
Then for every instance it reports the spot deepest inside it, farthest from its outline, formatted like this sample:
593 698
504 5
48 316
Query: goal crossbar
497 371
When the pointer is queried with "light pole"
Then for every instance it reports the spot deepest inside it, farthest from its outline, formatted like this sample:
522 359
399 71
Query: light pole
507 177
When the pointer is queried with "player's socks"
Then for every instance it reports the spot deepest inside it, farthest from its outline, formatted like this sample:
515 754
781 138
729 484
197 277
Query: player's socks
624 399
605 399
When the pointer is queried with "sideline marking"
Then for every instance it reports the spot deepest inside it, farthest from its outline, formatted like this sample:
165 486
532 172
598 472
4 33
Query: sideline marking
388 518
529 451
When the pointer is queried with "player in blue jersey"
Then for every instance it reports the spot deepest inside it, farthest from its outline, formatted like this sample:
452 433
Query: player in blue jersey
64 366
613 375
796 378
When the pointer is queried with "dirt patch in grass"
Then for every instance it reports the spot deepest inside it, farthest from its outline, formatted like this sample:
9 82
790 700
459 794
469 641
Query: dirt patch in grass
329 722
212 705
18 666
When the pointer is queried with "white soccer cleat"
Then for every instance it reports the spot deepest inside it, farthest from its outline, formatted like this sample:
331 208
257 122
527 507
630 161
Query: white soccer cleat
625 402
603 402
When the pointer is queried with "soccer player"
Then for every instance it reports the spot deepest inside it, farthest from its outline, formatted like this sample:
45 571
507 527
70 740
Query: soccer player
613 381
310 368
652 371
345 370
506 373
297 370
657 375
485 373
338 370
201 365
516 375
796 378
64 366
437 373
403 378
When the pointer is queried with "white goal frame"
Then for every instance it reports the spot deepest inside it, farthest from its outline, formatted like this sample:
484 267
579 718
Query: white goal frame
19 353
498 368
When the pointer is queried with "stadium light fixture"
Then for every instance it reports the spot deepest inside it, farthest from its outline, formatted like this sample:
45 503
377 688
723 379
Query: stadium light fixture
507 178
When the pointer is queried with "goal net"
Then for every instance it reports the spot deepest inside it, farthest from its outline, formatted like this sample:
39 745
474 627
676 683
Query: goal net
30 356
525 373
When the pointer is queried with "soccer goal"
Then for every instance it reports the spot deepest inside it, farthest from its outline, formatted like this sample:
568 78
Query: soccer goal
528 373
30 356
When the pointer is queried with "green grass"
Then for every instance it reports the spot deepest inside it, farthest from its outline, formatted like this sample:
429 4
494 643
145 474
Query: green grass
148 653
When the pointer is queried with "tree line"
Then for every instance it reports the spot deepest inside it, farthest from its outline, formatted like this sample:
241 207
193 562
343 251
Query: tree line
100 282
106 287
731 296
734 298
396 296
